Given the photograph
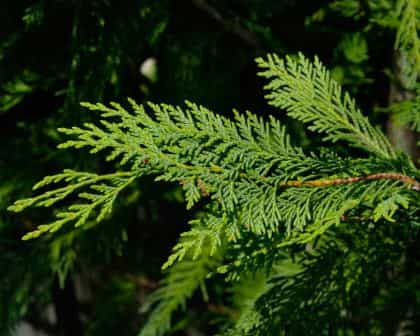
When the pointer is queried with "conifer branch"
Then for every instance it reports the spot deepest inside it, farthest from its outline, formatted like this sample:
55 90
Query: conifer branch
256 183
240 164
308 93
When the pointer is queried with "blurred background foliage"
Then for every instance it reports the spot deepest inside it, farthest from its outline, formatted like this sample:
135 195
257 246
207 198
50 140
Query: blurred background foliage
55 54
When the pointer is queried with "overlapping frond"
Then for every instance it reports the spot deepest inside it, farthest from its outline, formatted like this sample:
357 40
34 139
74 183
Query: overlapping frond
243 166
336 272
180 283
97 194
308 93
253 182
207 233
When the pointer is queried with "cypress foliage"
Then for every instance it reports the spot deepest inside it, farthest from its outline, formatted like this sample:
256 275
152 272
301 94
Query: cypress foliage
307 238
254 181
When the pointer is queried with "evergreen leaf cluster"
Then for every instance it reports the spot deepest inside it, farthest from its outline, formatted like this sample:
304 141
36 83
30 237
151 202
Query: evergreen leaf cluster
260 194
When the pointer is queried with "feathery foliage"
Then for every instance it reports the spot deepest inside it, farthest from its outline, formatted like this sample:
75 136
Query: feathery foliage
253 182
308 93
101 193
179 285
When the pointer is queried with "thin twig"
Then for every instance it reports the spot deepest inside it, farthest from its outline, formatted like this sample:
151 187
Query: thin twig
232 26
415 185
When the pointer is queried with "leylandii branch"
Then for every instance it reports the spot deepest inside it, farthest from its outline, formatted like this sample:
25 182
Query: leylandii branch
414 184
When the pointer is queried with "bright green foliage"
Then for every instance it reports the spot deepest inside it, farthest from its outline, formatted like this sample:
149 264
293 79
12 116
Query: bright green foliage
228 161
101 194
387 208
309 94
251 179
207 233
278 257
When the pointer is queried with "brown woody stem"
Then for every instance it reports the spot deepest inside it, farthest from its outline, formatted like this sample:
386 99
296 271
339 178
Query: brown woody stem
415 185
